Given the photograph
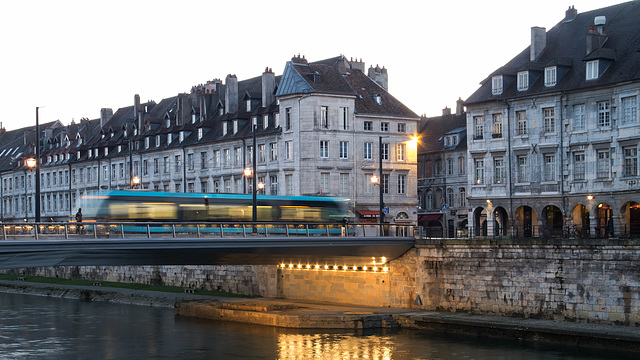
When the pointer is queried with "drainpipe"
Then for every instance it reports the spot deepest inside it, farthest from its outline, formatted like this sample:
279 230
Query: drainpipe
562 194
511 219
244 165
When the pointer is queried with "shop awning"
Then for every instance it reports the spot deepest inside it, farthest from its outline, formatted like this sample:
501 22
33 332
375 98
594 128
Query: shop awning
429 217
369 213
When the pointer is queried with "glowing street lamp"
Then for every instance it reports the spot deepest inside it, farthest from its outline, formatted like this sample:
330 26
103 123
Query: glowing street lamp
136 181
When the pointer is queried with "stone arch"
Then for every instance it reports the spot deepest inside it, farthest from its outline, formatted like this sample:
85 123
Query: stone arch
480 221
604 220
630 219
525 222
552 221
579 218
500 221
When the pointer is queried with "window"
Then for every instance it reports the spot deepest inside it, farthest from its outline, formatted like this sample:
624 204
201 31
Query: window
497 125
385 183
227 185
523 173
203 160
462 197
178 163
549 167
235 126
450 198
344 183
324 182
368 126
549 120
631 161
629 110
579 167
385 151
604 114
498 171
273 151
344 150
288 150
478 127
521 117
248 105
479 168
262 157
402 127
496 85
462 165
199 133
216 159
344 118
402 184
191 187
384 127
156 166
401 152
438 167
592 70
276 119
368 185
190 162
550 76
157 140
603 164
273 184
237 156
324 117
449 166
203 186
288 184
265 121
324 149
578 117
287 118
523 80
165 164
216 186
368 151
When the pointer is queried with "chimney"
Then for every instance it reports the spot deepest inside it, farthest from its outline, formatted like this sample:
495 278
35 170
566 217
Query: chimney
231 94
459 106
136 110
268 87
357 65
299 60
538 42
570 14
184 110
379 76
596 36
446 111
105 115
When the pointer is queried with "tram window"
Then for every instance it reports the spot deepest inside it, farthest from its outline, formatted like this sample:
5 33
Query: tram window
300 213
143 211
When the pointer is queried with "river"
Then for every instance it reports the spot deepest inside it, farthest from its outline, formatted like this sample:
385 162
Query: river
34 327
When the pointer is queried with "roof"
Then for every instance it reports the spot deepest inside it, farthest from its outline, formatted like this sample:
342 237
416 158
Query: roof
435 128
566 47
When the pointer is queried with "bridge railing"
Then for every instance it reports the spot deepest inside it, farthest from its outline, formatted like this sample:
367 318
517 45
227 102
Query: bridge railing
15 231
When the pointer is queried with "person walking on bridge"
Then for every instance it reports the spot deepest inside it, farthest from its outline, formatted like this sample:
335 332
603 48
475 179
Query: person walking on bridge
78 221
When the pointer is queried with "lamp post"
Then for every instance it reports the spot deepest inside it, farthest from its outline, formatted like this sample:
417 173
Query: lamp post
254 188
37 166
377 180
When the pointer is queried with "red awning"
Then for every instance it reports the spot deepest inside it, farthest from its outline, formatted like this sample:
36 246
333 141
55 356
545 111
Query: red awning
429 217
369 213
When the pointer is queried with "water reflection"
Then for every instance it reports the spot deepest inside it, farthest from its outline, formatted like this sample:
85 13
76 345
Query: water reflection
46 328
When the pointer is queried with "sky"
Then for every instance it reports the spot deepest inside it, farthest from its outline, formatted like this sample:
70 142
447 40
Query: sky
72 58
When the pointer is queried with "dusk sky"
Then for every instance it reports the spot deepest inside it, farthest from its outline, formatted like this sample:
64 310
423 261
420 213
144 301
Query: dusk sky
72 58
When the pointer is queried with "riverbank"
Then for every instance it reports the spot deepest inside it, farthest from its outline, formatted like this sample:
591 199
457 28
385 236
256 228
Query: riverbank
306 315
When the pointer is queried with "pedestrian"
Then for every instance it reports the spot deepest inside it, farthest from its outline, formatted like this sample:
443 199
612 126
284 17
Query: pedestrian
78 220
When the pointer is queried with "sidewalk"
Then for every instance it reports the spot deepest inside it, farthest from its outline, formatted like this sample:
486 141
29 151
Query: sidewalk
306 315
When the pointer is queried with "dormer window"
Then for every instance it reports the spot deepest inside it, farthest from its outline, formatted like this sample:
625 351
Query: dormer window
378 99
157 140
248 105
592 70
125 132
199 133
102 136
106 151
146 142
193 118
276 120
135 131
48 159
119 148
221 111
167 123
225 128
265 121
550 76
235 126
78 155
67 156
496 85
181 136
523 80
254 121
169 138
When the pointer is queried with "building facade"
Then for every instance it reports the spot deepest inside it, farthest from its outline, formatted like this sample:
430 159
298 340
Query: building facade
553 135
316 130
442 179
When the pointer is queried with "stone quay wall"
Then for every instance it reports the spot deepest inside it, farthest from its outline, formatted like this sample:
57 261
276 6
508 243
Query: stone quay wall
587 283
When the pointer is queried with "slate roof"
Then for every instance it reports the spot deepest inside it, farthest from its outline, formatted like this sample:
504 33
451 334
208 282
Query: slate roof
566 47
435 128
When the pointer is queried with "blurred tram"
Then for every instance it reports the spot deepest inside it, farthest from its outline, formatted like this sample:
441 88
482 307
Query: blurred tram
147 206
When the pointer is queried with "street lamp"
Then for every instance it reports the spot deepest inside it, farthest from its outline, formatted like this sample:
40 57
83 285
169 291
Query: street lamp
36 164
135 181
